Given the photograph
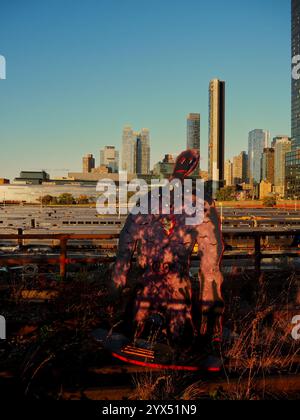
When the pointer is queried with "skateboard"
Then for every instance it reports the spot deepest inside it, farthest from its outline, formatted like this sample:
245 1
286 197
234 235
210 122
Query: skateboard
151 354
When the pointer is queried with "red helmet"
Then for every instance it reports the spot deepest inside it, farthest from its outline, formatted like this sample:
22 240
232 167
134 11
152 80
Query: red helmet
186 163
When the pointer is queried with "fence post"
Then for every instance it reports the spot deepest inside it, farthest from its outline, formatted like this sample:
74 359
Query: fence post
20 240
63 257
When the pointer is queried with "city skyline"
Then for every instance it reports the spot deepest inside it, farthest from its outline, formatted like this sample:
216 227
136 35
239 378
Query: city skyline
45 107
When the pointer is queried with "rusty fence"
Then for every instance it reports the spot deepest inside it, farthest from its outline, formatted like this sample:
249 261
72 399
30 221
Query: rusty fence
257 253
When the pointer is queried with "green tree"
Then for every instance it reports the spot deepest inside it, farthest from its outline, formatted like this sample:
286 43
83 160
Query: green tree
226 194
66 199
46 200
269 201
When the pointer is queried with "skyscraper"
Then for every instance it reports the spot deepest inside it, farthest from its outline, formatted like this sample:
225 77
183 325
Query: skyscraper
240 168
258 140
292 170
128 150
295 82
282 145
193 134
216 134
143 152
267 165
109 157
193 131
228 173
88 163
136 151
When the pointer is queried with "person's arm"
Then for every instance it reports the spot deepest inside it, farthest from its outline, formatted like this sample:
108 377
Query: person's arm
127 245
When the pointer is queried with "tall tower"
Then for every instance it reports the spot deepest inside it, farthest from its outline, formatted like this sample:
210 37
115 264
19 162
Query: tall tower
258 141
128 151
143 152
193 134
267 165
292 170
282 145
295 81
216 144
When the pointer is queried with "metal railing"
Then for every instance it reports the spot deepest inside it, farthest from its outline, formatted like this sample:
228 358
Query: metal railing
63 260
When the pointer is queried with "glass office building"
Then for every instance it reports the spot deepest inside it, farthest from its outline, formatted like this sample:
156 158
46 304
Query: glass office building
258 140
295 82
193 134
143 152
293 158
193 131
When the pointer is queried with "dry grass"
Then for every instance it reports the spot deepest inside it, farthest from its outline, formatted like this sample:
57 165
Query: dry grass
154 386
258 345
53 347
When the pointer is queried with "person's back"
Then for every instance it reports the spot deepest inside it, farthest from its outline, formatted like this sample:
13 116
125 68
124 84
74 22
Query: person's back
164 244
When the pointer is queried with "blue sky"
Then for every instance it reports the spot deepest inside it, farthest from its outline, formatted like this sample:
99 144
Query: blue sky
78 71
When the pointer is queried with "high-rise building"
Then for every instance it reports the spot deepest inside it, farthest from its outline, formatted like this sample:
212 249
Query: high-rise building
216 144
292 173
258 141
136 151
88 163
143 152
295 81
293 157
228 173
193 133
240 168
109 157
128 150
282 145
267 165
